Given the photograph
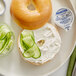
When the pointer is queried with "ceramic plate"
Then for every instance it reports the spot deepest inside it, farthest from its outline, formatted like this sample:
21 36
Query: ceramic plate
13 65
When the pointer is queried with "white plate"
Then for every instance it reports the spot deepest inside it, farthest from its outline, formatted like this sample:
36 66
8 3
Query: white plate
13 65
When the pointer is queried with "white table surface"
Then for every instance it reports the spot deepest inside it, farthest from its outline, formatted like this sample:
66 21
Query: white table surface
62 71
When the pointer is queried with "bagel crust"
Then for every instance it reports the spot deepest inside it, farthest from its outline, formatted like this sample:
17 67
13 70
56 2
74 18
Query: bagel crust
31 19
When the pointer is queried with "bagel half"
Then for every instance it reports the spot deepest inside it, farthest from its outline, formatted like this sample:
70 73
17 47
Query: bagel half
48 49
31 19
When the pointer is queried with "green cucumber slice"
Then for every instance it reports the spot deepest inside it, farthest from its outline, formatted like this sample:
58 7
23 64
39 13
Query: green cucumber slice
4 42
29 53
8 47
27 33
8 35
3 31
37 52
28 41
34 52
22 44
1 44
4 46
23 35
2 35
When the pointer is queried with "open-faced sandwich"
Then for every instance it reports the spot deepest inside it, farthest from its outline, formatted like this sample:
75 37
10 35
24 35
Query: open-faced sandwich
39 46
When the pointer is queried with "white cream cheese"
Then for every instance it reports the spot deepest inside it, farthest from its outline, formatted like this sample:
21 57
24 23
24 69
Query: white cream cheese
51 45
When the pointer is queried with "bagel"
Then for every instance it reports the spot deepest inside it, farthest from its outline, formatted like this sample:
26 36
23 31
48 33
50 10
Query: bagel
31 19
48 49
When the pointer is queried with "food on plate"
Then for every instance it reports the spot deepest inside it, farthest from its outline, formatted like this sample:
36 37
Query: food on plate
31 19
64 18
39 46
29 46
6 39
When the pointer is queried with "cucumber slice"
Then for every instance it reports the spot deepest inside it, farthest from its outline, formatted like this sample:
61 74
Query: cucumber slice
27 33
9 35
32 52
1 44
7 43
25 44
22 44
4 46
28 41
1 50
8 47
29 53
2 35
37 52
3 31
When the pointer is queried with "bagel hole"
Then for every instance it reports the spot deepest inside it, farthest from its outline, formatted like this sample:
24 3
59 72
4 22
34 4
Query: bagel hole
31 6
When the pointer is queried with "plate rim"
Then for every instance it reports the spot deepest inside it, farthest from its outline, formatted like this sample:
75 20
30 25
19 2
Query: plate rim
49 73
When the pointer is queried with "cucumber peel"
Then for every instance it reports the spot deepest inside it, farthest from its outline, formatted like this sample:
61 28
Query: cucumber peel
37 52
29 46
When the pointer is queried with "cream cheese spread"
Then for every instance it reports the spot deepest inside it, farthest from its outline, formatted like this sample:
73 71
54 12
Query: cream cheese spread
48 40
